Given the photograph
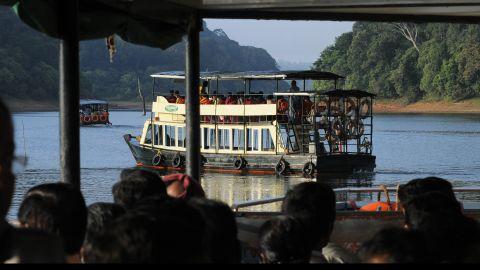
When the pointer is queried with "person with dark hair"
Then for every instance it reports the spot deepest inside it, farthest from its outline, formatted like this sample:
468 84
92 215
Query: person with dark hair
449 234
170 233
100 215
284 240
221 240
19 245
182 186
58 208
421 186
395 245
136 184
314 204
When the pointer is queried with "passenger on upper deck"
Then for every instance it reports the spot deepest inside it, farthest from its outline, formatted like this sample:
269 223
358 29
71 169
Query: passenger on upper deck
203 88
270 99
230 99
179 99
205 99
171 98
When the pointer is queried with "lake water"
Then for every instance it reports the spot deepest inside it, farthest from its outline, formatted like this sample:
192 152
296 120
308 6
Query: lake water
406 147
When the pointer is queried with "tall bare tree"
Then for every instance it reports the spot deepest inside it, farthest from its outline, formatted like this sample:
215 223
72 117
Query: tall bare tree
409 31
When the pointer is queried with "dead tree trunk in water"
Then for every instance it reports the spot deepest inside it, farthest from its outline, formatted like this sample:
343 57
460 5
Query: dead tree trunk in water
141 96
409 31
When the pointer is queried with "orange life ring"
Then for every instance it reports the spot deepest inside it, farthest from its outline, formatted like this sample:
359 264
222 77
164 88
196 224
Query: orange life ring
379 207
103 118
105 113
86 119
94 118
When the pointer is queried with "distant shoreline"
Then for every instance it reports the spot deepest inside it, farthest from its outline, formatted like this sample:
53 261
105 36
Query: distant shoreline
471 106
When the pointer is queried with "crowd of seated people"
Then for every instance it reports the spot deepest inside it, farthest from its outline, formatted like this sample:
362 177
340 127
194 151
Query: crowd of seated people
168 219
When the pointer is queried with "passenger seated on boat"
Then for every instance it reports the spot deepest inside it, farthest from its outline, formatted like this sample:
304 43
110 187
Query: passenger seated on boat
203 88
314 205
171 98
284 240
240 97
136 184
270 99
179 98
168 233
450 236
395 245
60 209
205 99
100 216
248 100
221 243
182 186
230 99
259 99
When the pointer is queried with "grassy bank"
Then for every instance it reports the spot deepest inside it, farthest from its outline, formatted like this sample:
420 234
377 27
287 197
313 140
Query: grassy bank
440 107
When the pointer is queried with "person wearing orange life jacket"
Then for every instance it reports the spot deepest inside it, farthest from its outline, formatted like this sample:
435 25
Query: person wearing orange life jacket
381 206
179 99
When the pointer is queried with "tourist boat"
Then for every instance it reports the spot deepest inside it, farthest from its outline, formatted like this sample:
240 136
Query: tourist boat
93 112
288 132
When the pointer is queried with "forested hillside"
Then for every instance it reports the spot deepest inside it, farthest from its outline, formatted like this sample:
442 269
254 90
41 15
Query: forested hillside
29 62
408 61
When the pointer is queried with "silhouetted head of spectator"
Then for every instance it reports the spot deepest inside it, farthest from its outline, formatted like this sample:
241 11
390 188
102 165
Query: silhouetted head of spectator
220 240
314 204
172 234
421 186
395 245
100 215
57 208
448 232
182 186
284 240
136 184
7 180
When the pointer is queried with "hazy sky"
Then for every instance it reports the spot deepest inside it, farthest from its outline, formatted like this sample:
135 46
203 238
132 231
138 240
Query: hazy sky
294 41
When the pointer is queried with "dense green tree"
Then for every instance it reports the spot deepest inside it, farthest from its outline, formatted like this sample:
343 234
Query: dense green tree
434 61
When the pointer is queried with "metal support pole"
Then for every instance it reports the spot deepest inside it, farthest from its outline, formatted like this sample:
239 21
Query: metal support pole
192 74
69 93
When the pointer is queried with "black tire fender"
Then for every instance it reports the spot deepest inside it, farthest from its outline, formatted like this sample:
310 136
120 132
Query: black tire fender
239 163
178 161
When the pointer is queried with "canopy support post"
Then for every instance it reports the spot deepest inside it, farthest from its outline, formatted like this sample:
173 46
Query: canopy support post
69 93
192 74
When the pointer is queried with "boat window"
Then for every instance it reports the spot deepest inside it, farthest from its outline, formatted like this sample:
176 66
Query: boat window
205 138
223 139
238 139
267 141
169 135
148 135
212 138
181 137
156 136
252 139
160 135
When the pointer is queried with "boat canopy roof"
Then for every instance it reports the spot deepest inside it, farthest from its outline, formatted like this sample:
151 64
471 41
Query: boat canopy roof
92 102
348 93
255 75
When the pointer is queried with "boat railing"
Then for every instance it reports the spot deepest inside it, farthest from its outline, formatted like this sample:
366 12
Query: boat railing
236 206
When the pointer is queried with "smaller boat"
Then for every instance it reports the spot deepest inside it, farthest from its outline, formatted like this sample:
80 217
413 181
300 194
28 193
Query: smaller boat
94 112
